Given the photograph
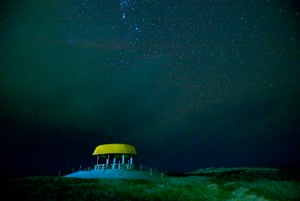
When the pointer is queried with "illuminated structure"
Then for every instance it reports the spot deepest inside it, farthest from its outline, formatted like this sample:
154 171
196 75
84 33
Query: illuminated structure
114 156
114 161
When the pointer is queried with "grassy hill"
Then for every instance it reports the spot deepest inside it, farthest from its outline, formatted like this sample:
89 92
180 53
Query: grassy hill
196 188
247 173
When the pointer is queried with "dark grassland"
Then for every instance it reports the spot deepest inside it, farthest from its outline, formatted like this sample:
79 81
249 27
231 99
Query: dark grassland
198 188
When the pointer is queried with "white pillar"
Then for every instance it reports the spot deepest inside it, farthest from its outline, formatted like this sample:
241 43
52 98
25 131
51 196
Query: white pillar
131 159
107 160
114 162
97 159
123 159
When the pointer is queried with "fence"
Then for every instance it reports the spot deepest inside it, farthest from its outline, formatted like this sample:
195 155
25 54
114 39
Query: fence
151 171
143 168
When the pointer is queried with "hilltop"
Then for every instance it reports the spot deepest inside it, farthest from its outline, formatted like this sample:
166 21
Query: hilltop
248 172
193 188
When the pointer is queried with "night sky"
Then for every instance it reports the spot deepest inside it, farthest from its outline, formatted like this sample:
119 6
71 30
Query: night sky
190 83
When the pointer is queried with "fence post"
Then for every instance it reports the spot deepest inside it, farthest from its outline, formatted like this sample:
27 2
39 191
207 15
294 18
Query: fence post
59 173
150 171
141 167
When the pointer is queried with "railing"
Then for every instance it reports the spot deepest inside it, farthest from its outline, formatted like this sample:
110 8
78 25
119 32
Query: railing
113 166
142 168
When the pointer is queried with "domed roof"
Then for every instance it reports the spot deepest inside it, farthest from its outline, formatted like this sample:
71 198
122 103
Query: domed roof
114 149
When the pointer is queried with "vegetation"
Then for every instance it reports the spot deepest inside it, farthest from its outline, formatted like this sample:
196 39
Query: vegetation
169 188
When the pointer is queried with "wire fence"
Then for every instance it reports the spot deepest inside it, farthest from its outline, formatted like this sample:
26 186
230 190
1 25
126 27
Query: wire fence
152 171
137 167
73 169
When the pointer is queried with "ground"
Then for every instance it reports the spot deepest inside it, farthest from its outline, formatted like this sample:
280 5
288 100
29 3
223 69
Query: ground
198 188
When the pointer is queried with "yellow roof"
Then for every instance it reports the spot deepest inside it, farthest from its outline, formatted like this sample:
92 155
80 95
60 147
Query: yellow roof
114 149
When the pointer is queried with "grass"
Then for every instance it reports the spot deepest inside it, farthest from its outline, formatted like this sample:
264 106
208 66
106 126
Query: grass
170 188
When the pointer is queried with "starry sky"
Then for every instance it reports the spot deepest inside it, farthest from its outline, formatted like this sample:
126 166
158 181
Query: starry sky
190 83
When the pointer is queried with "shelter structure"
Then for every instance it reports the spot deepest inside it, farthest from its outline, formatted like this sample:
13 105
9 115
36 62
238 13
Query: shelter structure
114 156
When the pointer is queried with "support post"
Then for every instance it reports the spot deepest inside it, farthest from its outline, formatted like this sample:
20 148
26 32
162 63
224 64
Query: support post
114 162
131 159
150 171
123 159
107 161
97 159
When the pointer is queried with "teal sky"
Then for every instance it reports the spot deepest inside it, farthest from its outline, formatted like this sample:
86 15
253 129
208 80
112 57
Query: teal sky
191 84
